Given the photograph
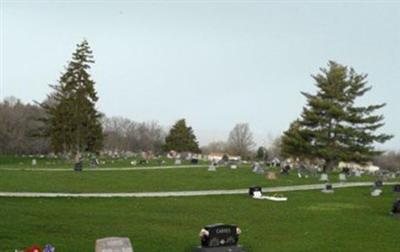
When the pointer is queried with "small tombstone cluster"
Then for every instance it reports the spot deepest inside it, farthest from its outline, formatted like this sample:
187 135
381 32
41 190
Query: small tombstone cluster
220 238
256 193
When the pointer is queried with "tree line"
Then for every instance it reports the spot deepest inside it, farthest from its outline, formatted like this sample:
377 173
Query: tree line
22 125
332 127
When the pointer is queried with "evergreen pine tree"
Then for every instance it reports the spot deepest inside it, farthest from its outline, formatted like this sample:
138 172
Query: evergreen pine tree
261 153
73 123
332 126
181 138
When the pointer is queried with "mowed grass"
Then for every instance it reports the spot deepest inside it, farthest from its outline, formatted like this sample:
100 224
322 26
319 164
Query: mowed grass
146 180
348 220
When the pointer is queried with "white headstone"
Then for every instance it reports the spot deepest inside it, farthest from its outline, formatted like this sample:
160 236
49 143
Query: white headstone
376 192
258 169
357 173
342 177
212 168
233 166
324 177
178 162
34 162
114 244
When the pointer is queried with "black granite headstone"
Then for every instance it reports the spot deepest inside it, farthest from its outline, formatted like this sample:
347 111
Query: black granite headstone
194 161
396 207
396 188
378 184
78 166
254 189
220 235
346 171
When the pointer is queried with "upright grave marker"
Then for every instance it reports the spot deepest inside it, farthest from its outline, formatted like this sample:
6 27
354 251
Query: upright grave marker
220 238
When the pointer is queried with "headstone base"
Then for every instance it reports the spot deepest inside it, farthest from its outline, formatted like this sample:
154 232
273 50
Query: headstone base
237 248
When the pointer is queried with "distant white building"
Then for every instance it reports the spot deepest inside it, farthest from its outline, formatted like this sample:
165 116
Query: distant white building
218 157
370 167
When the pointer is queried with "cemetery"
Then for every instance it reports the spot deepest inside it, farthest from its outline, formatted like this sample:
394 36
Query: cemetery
140 141
150 224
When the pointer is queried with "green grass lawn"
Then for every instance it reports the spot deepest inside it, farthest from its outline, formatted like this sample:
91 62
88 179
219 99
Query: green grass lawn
145 180
348 220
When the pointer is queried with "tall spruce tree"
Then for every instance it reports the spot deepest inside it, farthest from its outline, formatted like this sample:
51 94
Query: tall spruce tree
181 138
73 123
332 126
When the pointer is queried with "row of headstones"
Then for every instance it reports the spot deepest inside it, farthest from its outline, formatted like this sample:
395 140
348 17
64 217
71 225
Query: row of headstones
213 167
109 244
255 192
211 237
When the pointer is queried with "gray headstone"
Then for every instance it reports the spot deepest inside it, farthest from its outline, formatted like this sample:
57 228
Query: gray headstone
178 162
114 244
258 169
324 177
357 173
342 177
212 168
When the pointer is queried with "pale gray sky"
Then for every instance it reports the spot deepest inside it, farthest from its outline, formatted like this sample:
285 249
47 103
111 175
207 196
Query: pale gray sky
213 63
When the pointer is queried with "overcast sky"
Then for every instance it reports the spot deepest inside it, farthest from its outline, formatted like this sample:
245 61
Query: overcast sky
214 63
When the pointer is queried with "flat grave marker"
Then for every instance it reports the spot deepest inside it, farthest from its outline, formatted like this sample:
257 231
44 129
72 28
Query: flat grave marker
114 244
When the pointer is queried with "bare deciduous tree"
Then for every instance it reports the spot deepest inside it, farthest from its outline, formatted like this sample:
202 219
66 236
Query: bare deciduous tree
240 141
122 134
18 127
216 147
388 161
